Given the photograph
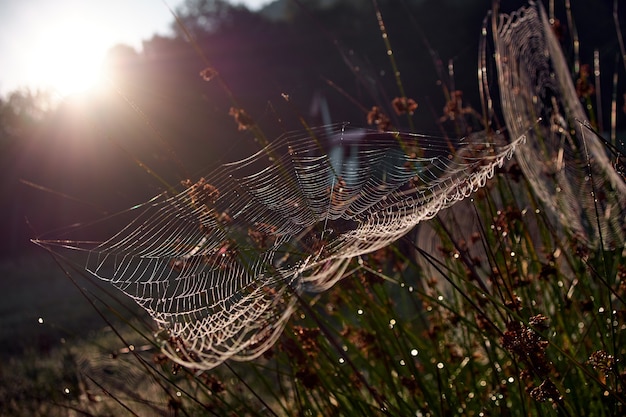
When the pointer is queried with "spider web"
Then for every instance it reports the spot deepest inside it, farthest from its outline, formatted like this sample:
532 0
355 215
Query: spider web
221 265
565 162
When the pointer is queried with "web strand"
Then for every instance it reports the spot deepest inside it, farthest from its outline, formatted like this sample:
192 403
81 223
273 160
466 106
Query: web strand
219 266
534 81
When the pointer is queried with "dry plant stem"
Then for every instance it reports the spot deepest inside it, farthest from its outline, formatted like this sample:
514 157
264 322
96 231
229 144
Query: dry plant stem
269 387
267 407
581 367
392 59
468 263
434 56
113 397
100 209
140 163
490 252
618 30
614 104
356 69
347 96
143 165
609 285
177 386
483 86
574 34
144 118
434 262
76 409
254 128
337 347
597 90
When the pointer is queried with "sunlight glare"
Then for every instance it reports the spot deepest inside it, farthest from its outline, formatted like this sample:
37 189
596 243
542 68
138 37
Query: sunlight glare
67 55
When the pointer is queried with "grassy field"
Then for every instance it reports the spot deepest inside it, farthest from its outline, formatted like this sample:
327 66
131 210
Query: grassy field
539 332
494 307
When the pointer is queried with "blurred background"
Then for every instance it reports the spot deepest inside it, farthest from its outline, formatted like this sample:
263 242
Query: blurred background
70 144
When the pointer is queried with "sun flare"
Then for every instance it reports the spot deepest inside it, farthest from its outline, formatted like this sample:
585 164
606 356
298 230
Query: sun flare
67 56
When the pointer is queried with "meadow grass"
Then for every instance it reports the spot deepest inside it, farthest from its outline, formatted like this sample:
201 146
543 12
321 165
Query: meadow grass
512 316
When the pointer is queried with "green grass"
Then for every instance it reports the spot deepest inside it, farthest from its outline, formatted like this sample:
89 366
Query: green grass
510 316
536 337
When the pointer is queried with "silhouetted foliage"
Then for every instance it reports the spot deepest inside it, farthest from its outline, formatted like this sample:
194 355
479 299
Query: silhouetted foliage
158 106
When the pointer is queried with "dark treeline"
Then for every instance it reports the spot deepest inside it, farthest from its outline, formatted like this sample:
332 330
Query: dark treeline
158 109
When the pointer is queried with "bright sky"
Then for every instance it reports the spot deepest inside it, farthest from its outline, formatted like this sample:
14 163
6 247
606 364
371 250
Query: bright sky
60 44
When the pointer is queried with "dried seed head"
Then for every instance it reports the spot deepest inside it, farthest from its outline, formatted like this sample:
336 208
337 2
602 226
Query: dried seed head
403 105
244 121
208 73
379 119
600 360
546 391
539 321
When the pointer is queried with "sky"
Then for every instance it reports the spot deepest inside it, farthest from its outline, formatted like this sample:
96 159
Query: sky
60 44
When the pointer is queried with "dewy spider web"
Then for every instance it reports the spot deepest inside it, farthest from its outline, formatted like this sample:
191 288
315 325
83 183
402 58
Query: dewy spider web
220 266
566 163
